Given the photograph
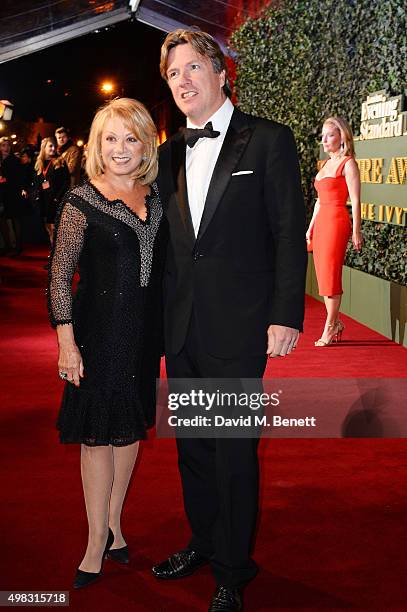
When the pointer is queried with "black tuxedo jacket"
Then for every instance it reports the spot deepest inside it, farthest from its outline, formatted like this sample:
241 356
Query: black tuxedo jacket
246 268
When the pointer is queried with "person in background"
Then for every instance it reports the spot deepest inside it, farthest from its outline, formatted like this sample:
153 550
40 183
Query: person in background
84 176
27 159
330 227
51 182
11 197
70 153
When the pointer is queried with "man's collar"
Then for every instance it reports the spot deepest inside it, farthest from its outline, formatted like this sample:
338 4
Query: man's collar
220 119
65 146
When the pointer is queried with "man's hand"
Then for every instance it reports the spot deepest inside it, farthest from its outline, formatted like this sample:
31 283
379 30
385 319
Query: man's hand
281 340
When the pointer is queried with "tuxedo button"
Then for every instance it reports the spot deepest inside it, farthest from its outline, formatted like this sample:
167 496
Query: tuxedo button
197 256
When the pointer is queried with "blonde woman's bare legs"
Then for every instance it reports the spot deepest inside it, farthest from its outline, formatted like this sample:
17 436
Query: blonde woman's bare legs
332 305
97 479
124 458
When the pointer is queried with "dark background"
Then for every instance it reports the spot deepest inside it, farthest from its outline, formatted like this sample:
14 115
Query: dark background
127 54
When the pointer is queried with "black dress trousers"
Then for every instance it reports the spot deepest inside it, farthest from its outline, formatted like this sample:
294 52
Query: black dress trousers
219 476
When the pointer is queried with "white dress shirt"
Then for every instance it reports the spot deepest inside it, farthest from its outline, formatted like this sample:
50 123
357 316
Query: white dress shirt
201 160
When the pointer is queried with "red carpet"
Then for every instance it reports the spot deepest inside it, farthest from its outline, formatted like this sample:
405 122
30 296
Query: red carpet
333 527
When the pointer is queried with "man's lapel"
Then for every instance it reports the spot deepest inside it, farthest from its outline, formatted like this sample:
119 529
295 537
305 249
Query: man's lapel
180 182
236 139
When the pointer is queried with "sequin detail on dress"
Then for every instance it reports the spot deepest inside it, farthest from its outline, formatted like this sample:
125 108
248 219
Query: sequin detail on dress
72 224
64 260
115 310
145 230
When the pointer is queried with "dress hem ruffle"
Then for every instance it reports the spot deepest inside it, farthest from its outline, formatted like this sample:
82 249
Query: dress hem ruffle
103 418
115 443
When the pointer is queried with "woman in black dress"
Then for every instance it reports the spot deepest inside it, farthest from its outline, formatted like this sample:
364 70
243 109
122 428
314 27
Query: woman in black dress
109 338
51 182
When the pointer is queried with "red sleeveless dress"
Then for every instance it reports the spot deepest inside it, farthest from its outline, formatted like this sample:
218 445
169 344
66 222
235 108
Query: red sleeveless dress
332 230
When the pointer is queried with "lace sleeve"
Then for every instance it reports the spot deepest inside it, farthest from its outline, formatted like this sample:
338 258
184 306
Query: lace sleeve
68 243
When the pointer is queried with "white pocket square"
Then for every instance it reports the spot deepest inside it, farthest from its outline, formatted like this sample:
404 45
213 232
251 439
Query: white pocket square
242 172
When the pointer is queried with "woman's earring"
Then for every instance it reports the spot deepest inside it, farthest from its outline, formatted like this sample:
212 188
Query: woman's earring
144 158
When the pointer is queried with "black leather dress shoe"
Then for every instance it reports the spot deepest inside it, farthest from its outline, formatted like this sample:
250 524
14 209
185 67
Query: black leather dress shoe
121 555
180 564
225 599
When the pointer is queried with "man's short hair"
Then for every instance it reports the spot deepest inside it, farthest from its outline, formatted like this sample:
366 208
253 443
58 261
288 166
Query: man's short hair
62 130
204 44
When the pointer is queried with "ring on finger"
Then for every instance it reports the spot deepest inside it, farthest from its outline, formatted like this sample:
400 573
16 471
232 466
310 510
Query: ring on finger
63 375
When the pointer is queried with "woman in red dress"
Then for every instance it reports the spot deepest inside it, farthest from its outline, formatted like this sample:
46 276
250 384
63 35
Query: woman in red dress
330 227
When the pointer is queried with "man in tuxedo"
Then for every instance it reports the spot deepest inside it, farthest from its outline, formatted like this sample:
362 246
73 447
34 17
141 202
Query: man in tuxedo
233 290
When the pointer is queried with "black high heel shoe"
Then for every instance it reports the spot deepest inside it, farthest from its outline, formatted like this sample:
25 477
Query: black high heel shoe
83 579
121 555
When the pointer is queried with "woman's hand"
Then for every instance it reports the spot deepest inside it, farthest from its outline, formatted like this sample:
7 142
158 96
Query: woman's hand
357 239
70 363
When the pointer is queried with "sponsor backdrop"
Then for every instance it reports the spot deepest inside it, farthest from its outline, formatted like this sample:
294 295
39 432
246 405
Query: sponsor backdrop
301 62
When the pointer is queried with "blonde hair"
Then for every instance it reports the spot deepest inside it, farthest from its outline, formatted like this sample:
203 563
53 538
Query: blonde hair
40 163
346 134
138 120
204 44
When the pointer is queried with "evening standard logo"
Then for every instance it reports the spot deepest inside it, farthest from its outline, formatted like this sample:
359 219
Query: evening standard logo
382 116
222 399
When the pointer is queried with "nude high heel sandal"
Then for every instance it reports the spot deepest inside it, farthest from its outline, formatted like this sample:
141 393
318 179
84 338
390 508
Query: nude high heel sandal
340 327
333 332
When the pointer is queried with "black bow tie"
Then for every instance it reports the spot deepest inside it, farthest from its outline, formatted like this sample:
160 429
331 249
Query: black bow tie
192 135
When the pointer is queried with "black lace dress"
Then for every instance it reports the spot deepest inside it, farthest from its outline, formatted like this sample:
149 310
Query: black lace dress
115 312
